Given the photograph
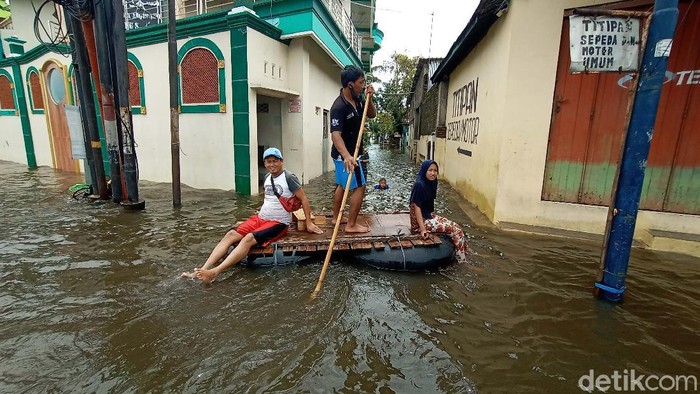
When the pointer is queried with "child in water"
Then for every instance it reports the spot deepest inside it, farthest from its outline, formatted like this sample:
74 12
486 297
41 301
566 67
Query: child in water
382 185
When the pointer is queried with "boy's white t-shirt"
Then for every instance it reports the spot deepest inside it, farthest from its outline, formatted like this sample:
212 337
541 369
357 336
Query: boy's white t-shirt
286 184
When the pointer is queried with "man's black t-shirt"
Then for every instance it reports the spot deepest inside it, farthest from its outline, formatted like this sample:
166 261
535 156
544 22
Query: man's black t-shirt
346 120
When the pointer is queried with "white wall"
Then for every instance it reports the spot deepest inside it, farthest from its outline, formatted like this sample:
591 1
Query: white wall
11 140
484 73
268 75
527 122
12 146
206 140
23 23
324 89
264 53
516 64
39 122
293 123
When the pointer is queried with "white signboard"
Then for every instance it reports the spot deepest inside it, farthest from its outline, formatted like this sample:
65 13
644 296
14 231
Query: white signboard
75 130
604 43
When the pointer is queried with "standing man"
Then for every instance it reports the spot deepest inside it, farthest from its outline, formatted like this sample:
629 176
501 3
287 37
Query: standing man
346 118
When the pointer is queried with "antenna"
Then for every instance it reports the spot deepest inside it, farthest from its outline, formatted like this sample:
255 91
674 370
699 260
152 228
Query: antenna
430 43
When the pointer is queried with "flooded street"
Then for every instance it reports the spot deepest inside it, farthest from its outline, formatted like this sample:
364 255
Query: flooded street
91 301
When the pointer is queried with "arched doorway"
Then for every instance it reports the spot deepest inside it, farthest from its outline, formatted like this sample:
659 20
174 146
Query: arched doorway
56 96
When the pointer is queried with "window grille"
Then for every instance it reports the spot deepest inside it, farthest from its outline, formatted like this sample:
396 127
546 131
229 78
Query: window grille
200 77
37 100
134 87
7 95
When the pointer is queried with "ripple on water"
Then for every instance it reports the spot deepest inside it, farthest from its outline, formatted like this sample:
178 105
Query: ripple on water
91 301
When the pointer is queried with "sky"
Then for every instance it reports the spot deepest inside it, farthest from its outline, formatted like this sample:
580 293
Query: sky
407 26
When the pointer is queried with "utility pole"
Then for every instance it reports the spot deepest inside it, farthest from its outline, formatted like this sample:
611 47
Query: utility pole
125 118
174 110
82 71
102 34
611 279
90 176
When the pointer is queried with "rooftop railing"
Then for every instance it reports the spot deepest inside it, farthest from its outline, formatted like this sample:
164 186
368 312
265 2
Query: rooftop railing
145 12
345 23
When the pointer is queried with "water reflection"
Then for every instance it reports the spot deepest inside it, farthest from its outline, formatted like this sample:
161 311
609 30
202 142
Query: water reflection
90 301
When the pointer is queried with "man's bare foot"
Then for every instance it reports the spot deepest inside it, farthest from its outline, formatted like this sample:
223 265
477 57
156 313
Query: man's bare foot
357 228
342 221
206 276
188 275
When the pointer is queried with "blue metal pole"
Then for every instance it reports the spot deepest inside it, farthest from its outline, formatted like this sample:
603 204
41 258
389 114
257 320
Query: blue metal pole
636 151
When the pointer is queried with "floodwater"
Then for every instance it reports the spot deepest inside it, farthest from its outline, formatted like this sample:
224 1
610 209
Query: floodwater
91 301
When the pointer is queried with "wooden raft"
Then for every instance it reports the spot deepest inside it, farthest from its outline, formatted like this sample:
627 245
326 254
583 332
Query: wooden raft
392 229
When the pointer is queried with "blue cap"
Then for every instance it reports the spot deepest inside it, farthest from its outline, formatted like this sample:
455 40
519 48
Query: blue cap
272 152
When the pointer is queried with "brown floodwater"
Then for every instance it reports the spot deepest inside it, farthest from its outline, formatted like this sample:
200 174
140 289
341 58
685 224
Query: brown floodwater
91 301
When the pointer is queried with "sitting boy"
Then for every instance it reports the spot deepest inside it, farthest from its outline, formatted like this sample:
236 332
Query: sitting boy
267 226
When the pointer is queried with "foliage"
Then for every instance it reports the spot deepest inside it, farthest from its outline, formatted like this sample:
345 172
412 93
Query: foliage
4 10
392 99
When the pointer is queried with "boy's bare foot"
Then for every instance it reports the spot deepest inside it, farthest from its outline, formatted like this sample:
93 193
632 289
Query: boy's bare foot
206 276
342 221
188 275
357 228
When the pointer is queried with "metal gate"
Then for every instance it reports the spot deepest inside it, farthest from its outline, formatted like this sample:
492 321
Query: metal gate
588 117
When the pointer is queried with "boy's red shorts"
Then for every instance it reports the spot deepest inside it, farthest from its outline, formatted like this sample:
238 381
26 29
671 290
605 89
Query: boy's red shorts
264 231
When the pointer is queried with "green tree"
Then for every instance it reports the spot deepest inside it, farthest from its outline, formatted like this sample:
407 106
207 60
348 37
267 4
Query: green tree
392 98
385 124
4 10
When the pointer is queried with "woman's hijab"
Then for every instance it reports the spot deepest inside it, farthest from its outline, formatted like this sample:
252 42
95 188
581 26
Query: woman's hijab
424 190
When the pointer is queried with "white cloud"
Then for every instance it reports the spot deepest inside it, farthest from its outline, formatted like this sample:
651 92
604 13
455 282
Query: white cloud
407 26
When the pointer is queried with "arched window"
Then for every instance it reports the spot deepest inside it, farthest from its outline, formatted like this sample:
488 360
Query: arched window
36 99
137 96
8 99
201 77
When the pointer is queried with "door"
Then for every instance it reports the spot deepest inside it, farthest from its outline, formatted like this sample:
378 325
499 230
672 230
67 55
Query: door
326 151
56 92
588 121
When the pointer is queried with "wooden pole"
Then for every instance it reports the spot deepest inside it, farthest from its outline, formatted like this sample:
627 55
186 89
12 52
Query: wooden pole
319 284
174 112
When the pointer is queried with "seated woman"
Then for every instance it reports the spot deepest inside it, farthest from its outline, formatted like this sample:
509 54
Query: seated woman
382 185
422 204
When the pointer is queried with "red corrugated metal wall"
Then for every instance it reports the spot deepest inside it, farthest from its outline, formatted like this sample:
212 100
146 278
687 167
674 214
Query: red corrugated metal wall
588 117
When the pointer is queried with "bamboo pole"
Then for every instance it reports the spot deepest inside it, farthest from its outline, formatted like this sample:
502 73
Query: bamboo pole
319 284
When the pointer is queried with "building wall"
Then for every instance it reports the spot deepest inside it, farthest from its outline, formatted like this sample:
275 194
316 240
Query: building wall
516 67
484 76
11 140
294 121
326 88
527 121
309 73
12 146
38 122
428 112
263 55
23 24
206 140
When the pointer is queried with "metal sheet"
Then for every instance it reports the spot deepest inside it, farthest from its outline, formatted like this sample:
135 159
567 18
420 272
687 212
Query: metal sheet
588 120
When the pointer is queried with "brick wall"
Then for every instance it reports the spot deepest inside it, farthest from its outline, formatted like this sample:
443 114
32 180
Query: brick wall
428 112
